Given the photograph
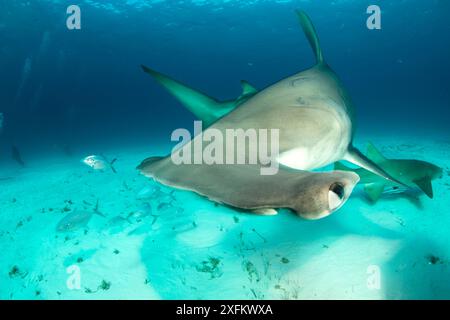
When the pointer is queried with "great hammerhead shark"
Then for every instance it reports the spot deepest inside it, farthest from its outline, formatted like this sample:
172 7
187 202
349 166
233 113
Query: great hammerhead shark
311 109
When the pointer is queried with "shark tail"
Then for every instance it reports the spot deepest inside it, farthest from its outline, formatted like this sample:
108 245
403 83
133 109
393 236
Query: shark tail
111 164
311 35
424 183
202 106
356 157
97 211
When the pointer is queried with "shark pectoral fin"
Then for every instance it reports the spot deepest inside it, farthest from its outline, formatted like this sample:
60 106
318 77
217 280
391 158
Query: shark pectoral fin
247 88
265 211
354 156
425 185
373 154
311 35
374 191
201 105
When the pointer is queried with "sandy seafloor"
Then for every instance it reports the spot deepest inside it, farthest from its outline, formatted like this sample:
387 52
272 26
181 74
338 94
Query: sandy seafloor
188 248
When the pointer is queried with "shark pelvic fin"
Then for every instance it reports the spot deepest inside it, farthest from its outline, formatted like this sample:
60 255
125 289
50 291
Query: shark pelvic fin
425 185
356 157
311 35
374 191
373 154
248 91
265 211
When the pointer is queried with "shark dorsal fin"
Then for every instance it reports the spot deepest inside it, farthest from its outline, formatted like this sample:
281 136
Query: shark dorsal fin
311 35
373 154
247 88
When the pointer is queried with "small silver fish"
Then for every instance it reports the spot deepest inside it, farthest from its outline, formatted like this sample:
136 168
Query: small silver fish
99 163
163 206
117 224
143 211
117 221
74 221
147 192
155 193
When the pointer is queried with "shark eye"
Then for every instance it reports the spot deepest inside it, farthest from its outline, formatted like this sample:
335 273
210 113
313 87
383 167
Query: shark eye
338 189
336 195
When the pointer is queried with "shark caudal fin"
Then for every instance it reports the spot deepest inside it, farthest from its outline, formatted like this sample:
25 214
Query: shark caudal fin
354 156
202 106
425 185
311 35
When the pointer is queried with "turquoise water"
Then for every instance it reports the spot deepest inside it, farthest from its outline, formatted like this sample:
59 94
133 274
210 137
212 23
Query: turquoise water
68 94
